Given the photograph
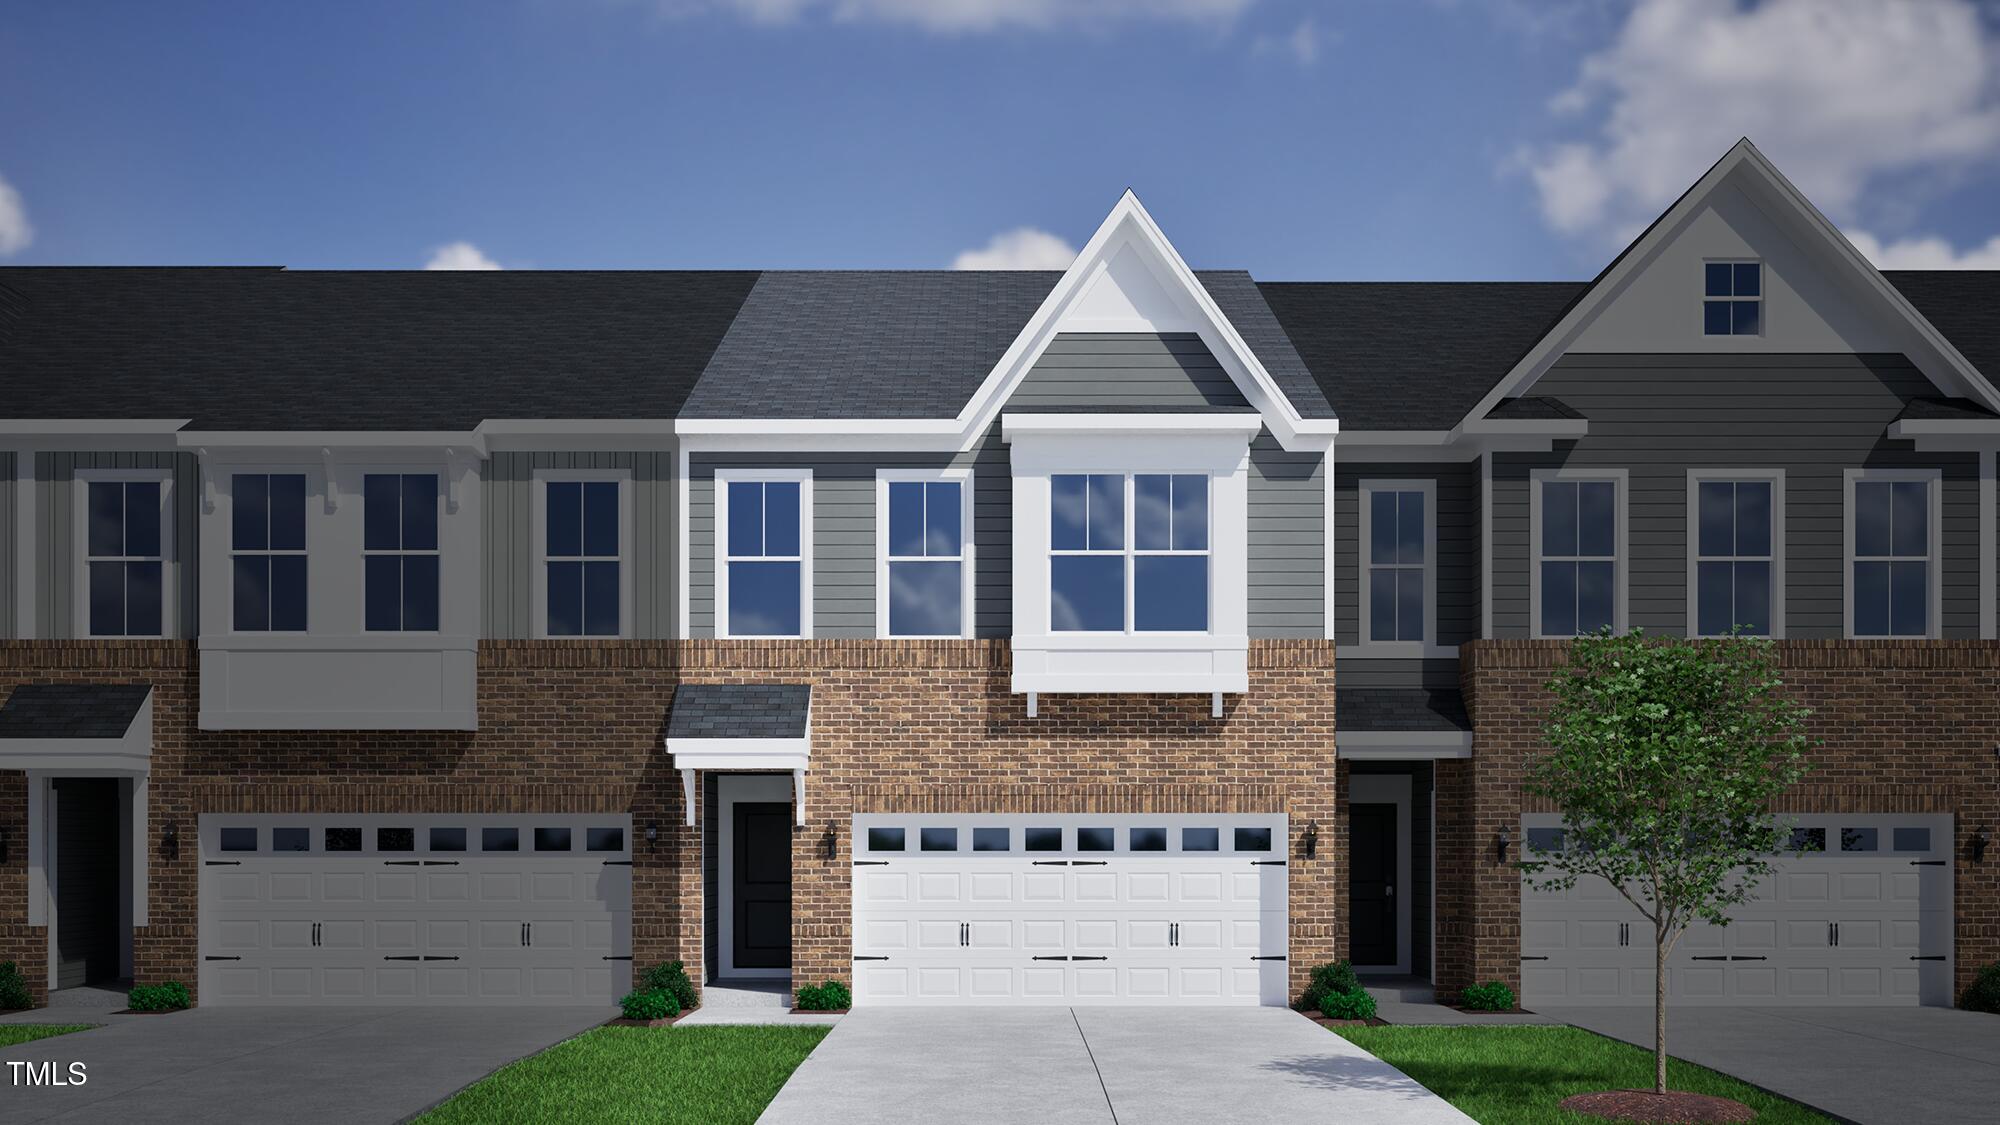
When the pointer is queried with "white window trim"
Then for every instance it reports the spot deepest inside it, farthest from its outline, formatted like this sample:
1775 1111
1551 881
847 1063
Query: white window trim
627 585
724 478
1130 553
318 485
962 476
80 561
1428 646
1934 561
364 554
1702 299
1776 478
1622 565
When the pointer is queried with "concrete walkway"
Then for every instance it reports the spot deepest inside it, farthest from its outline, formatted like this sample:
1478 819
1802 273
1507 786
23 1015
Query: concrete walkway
1070 1066
326 1064
1863 1064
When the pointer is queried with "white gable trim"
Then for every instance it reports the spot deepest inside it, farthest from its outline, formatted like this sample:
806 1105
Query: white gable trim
1175 301
1934 355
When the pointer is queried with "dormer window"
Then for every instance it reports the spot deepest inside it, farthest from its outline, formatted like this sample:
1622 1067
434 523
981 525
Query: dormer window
1732 302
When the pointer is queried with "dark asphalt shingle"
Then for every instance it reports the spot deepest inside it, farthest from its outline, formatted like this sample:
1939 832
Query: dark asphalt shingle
739 711
1533 407
1945 409
71 710
1400 709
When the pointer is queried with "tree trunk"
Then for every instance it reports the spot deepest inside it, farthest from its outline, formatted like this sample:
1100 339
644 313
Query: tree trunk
1659 1011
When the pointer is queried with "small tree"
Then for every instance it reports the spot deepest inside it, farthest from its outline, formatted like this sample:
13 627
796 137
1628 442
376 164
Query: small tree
1664 758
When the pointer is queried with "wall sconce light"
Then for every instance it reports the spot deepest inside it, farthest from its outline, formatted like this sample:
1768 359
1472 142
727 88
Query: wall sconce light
829 843
652 833
1500 846
1311 839
170 840
1978 845
3 844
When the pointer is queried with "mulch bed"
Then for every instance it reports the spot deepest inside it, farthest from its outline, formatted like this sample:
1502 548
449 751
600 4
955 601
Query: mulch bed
151 1012
1674 1107
1371 1021
819 1011
669 1022
1514 1011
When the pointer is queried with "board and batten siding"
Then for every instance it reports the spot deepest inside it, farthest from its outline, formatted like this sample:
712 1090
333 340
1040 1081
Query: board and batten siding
510 553
1287 548
1455 555
58 572
1126 370
1814 416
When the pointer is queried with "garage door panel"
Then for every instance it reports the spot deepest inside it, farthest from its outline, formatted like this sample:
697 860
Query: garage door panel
447 887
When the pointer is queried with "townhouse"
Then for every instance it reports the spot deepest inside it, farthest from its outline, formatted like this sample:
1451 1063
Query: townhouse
971 637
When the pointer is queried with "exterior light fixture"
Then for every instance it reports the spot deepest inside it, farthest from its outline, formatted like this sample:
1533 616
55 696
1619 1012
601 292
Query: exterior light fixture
170 839
1978 845
1311 839
830 842
3 844
652 832
1500 846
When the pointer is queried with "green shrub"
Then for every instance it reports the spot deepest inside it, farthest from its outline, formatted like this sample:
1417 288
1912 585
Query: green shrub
649 1004
1334 976
828 997
14 992
671 977
170 996
1489 997
1983 994
1354 1004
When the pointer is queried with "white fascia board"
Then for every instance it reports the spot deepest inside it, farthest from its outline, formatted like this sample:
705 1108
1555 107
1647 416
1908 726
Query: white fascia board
528 435
1451 445
740 753
1164 425
1948 434
1832 245
108 434
265 440
1395 744
1554 429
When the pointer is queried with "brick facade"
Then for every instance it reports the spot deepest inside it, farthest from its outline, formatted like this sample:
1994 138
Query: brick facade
576 727
1905 726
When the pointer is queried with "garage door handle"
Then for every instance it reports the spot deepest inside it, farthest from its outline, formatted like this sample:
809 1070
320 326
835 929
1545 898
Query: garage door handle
402 957
213 958
1054 957
875 958
1932 957
1927 863
1272 957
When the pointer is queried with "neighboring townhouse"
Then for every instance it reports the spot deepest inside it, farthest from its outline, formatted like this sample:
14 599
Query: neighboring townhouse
971 636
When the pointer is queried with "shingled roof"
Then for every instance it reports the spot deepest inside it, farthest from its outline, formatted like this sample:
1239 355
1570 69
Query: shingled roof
71 710
739 711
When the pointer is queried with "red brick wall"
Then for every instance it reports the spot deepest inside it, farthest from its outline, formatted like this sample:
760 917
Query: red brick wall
578 727
1905 726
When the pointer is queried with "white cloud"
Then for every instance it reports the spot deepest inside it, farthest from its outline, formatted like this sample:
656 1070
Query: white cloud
460 256
1023 248
15 230
1839 93
1925 253
1303 44
958 16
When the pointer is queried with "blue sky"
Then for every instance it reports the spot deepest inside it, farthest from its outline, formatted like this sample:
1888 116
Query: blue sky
1383 139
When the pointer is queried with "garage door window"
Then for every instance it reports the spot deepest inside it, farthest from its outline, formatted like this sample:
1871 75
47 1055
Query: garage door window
1858 839
291 839
343 839
1149 839
447 839
605 839
239 839
1043 839
551 839
1253 839
1096 839
395 839
1201 839
1545 840
990 840
1912 839
938 839
885 839
500 839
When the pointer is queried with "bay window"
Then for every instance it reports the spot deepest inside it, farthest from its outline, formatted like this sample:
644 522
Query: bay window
400 551
267 531
1129 552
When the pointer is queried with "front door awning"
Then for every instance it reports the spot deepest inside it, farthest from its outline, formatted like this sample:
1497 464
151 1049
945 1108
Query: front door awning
78 730
741 727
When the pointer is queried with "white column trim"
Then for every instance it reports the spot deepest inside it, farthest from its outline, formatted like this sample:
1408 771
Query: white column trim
1486 545
38 849
1987 568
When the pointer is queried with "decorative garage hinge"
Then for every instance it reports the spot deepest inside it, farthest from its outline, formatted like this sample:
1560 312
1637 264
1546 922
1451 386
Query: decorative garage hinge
222 863
1269 957
1529 958
871 863
1267 863
1930 957
617 863
871 958
212 957
626 957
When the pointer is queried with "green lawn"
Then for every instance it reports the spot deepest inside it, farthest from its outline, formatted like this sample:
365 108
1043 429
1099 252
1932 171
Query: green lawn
1509 1074
12 1033
694 1075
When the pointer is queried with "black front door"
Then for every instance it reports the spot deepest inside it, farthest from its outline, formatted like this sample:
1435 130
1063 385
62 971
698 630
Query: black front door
86 880
1371 884
761 885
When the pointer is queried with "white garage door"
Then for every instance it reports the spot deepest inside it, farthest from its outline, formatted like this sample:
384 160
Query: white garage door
1862 918
1069 909
417 909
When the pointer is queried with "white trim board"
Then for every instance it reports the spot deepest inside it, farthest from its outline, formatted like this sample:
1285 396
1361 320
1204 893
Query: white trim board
730 790
1933 479
719 504
1391 789
1364 602
539 480
1622 563
1776 479
960 475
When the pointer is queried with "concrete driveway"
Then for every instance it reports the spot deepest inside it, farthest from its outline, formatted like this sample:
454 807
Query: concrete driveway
277 1064
1862 1064
1067 1066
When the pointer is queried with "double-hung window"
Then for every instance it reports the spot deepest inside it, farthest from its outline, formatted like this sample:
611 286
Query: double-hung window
1732 298
267 531
1892 550
766 554
1399 579
582 564
125 557
1736 525
400 551
1577 546
925 526
1129 553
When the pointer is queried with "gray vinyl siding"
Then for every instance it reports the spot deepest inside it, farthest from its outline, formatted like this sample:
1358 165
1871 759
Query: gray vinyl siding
8 598
58 570
1814 416
1287 548
1456 556
509 556
1126 370
843 533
